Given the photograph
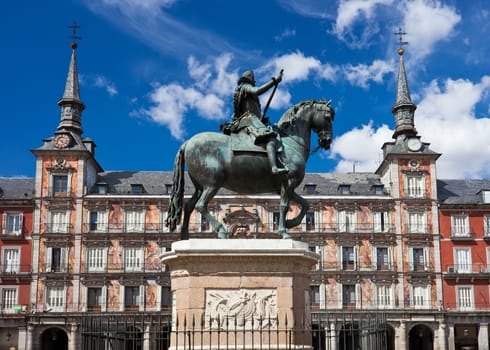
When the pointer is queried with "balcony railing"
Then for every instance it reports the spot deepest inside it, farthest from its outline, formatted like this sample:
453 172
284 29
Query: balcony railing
57 228
467 269
418 229
345 228
14 269
136 268
147 227
457 235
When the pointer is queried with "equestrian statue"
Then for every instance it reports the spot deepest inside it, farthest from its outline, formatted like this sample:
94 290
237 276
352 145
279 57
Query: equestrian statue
250 157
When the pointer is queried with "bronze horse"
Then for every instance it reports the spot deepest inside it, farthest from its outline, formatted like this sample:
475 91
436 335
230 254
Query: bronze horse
212 164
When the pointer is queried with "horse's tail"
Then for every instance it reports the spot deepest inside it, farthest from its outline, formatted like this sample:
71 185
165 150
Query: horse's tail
177 198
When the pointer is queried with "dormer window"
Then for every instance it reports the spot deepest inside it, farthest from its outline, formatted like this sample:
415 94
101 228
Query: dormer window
102 188
344 189
309 188
169 188
485 196
378 190
137 189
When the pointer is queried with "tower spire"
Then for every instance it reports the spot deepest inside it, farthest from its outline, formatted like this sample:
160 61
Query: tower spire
70 104
404 108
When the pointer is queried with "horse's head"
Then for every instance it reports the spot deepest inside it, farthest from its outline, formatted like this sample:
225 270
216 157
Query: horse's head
321 122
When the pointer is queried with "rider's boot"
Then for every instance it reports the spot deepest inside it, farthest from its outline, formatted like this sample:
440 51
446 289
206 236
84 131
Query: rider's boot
271 154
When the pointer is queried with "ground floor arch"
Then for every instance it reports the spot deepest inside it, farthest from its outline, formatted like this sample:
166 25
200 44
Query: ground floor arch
421 337
54 338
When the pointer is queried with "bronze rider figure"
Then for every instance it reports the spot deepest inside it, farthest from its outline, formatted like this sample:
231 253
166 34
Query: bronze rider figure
247 114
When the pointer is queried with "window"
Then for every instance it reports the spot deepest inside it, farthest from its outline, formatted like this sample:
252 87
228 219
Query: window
347 221
9 297
384 296
11 260
415 186
421 297
315 295
310 221
460 225
417 222
166 298
275 221
94 299
383 260
344 189
485 196
96 259
378 190
169 188
317 250
133 259
102 188
462 260
59 222
55 299
464 295
205 227
380 221
12 224
309 188
137 189
98 221
60 185
486 225
349 295
131 298
135 220
348 260
56 260
418 259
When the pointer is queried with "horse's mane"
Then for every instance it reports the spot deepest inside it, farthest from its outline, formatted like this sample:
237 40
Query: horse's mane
292 113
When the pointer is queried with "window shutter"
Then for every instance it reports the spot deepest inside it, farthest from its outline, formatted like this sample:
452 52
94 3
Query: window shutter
377 221
410 259
426 258
49 257
4 223
63 260
21 224
342 221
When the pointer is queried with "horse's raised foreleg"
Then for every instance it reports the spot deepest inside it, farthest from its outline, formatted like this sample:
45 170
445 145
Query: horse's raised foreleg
202 207
304 205
188 208
283 210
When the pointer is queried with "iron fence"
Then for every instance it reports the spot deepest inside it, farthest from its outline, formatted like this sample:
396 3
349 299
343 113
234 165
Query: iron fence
346 331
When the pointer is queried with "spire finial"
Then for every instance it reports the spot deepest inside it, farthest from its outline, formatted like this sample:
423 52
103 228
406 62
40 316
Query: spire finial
74 35
400 34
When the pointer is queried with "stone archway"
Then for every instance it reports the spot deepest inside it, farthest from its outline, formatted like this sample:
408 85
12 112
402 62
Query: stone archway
420 337
390 337
349 337
54 338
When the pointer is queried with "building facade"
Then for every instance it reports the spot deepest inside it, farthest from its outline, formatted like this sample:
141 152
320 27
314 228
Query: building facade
78 241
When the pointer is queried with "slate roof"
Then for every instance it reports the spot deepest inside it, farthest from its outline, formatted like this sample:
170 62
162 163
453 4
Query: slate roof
154 182
16 187
461 191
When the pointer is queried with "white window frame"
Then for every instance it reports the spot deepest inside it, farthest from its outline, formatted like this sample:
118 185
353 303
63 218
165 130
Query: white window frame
14 228
417 222
139 299
103 297
96 259
60 220
9 297
463 260
384 296
355 254
55 299
63 259
357 293
315 220
486 224
134 220
133 259
347 221
163 221
465 298
415 186
411 261
381 221
460 225
101 223
421 296
11 259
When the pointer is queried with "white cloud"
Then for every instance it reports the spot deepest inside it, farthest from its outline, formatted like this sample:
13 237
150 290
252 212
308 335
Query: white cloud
361 74
445 118
360 147
351 12
427 22
297 67
287 33
103 82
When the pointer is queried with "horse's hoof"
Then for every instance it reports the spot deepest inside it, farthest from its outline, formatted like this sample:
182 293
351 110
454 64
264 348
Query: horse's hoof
222 235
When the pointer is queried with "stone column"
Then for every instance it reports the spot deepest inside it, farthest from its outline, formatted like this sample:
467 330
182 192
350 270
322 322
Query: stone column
74 341
483 337
440 340
30 330
333 336
450 338
22 339
401 337
146 338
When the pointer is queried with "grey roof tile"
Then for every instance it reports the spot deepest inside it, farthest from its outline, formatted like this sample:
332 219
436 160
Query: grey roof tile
16 187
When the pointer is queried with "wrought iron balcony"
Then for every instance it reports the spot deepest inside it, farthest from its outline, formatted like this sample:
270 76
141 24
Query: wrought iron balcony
461 269
14 270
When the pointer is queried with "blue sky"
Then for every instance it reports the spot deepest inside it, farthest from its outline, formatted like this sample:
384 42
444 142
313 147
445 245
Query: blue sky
155 72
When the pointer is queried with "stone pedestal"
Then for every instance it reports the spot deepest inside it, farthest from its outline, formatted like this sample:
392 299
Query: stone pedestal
240 292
